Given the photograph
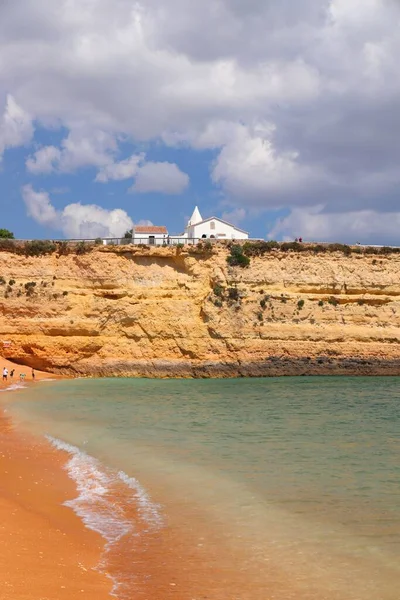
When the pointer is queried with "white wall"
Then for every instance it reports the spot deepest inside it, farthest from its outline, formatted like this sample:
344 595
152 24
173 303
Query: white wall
144 238
221 231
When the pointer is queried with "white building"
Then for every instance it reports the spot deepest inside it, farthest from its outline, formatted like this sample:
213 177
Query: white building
213 227
150 234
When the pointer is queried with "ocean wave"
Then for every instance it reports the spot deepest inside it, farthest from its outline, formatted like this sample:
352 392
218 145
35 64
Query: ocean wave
94 484
14 386
103 493
147 509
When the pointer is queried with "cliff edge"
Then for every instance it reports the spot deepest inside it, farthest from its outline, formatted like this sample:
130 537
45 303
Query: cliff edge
184 312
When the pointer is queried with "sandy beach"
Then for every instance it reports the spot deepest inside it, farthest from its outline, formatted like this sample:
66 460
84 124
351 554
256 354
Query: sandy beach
47 553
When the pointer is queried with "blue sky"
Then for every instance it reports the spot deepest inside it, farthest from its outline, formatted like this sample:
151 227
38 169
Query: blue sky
171 210
280 117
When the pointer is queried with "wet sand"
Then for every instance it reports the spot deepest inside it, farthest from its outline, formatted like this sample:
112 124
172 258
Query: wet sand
46 551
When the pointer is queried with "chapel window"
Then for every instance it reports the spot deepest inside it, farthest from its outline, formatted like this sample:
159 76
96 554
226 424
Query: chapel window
212 225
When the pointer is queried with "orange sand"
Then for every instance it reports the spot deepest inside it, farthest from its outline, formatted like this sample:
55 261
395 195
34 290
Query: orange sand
46 552
22 369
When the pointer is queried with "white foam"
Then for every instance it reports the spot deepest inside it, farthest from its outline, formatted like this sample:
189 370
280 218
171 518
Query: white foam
14 386
94 504
93 484
147 509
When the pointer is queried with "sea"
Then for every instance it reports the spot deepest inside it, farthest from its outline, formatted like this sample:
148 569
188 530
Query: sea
234 489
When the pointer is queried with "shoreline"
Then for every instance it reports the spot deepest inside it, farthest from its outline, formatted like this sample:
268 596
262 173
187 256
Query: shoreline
273 366
48 552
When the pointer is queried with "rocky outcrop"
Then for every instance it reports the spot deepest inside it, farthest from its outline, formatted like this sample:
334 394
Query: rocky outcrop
132 311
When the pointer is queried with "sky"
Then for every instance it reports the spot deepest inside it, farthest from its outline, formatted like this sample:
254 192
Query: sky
280 117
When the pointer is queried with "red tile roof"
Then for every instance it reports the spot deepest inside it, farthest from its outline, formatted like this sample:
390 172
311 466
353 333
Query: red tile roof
150 229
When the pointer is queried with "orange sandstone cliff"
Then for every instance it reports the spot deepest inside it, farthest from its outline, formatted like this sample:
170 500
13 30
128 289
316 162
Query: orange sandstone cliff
182 312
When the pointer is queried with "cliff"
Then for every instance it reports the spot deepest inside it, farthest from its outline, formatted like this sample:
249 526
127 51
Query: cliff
185 312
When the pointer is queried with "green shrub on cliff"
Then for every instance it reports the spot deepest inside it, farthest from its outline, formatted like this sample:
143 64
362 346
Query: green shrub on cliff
236 257
218 290
333 301
233 294
346 250
38 248
259 248
7 245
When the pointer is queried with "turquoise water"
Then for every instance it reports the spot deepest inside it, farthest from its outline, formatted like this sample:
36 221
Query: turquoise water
292 484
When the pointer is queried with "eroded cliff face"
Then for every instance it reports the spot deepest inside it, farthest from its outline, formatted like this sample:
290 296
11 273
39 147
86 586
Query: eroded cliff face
172 312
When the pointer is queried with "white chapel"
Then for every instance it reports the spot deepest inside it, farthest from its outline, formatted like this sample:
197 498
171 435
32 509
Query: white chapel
213 227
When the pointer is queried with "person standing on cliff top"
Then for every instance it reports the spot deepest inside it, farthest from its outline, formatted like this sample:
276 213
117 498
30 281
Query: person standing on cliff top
5 374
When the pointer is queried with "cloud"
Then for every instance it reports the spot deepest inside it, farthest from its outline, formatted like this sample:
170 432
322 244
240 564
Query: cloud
162 177
16 128
125 169
39 207
81 148
298 101
235 216
99 150
75 220
250 166
314 224
44 160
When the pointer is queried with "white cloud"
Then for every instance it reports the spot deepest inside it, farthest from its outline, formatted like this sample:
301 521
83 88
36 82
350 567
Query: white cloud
39 206
314 224
43 160
162 177
235 216
16 128
76 220
98 151
249 166
322 75
81 148
125 169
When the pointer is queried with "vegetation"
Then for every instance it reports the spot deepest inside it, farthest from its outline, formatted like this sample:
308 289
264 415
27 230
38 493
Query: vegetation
82 248
233 294
98 241
260 316
37 248
333 301
300 304
128 235
321 303
7 245
5 234
236 257
259 248
218 290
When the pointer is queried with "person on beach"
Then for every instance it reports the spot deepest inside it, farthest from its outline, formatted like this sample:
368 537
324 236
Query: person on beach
5 374
12 373
33 375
